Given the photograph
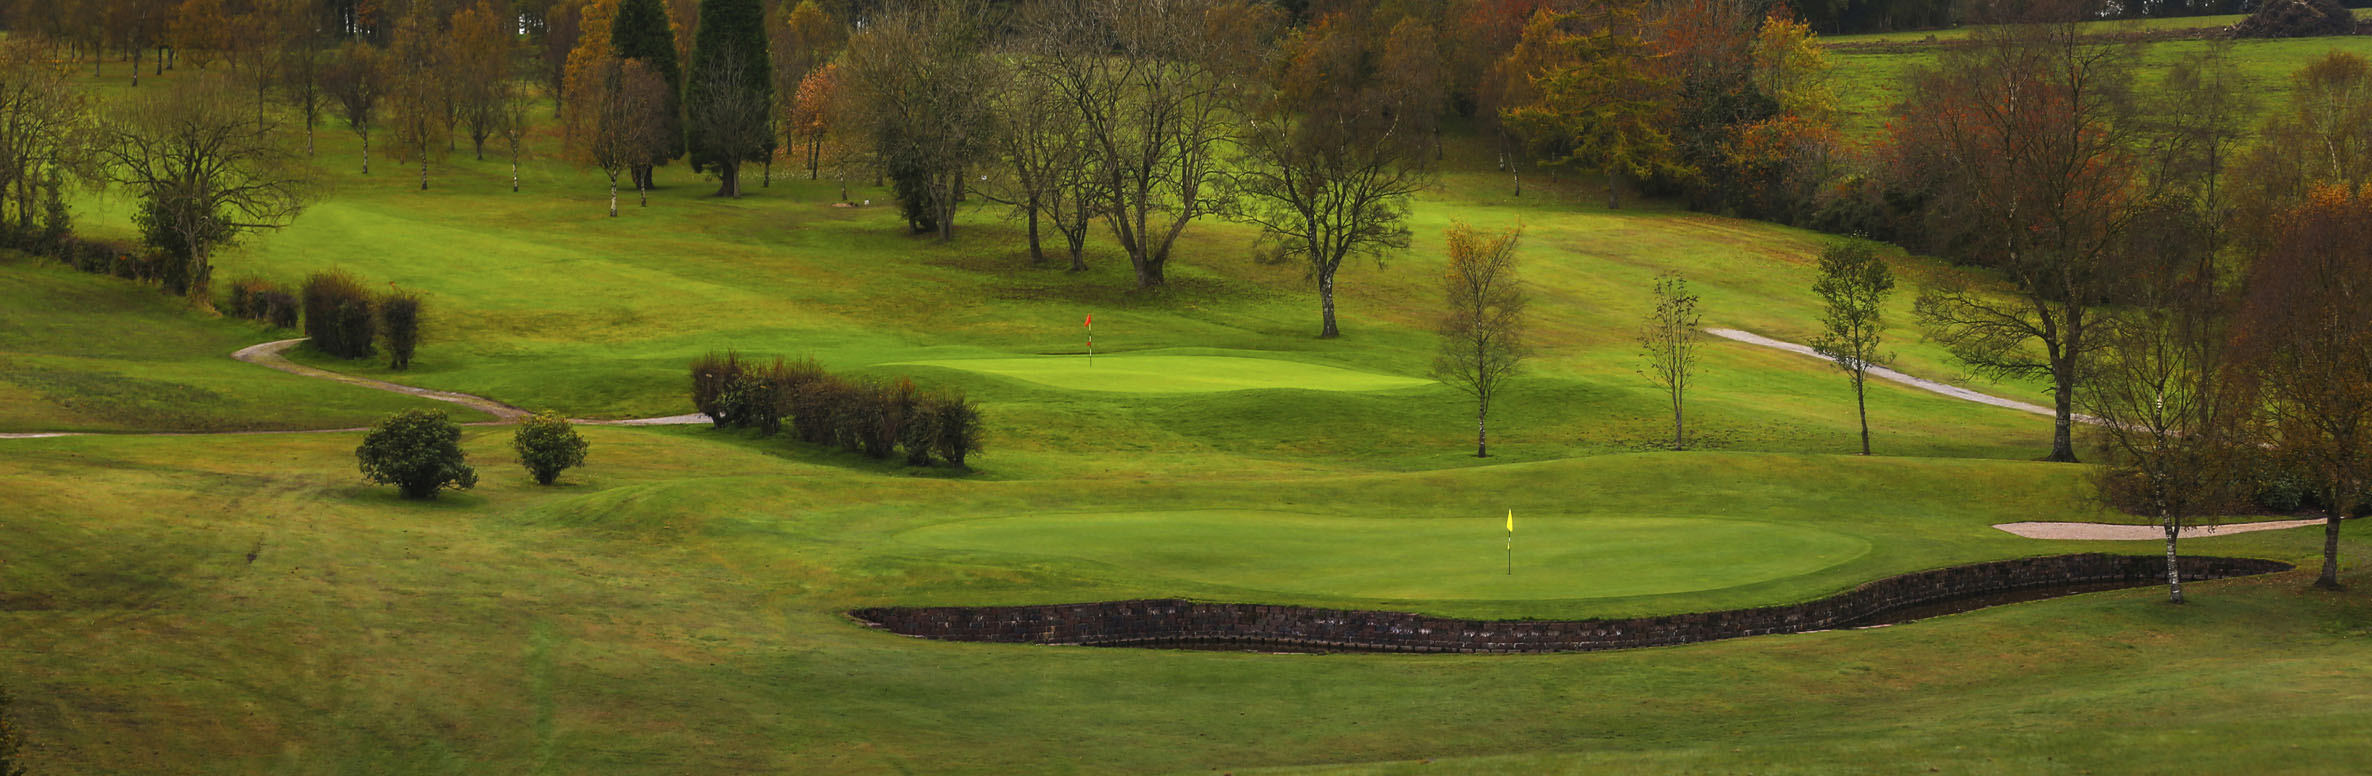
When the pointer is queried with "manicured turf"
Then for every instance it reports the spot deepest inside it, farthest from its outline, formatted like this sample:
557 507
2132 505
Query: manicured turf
1150 373
1417 560
247 604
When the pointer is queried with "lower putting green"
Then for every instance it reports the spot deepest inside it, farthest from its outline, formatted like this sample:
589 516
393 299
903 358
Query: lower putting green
1417 559
1175 374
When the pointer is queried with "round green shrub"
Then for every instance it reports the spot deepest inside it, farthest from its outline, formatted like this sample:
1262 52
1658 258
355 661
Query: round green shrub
417 451
547 445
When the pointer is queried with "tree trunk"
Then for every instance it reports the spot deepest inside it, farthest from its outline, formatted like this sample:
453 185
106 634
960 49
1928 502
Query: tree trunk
1037 251
2174 572
613 196
766 178
366 153
1149 274
2330 578
2062 418
729 180
478 146
814 147
1861 404
1678 430
514 168
423 169
643 192
1482 429
1326 305
1614 190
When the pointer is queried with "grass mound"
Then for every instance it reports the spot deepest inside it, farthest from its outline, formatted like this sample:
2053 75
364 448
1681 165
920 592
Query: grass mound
1419 559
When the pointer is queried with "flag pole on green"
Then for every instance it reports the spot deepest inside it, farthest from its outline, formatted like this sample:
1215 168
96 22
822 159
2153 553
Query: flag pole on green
1091 339
1511 542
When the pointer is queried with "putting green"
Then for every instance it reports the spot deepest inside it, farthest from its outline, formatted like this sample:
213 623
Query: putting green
1417 559
1175 374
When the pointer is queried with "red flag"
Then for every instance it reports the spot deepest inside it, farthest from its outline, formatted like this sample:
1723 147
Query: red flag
1091 320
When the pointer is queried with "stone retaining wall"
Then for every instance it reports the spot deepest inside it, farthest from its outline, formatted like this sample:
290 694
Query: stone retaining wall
1174 622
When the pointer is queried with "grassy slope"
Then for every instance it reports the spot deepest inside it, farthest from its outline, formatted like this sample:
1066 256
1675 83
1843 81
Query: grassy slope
80 352
672 609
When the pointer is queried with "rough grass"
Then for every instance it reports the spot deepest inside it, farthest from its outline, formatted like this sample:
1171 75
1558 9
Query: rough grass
675 609
81 352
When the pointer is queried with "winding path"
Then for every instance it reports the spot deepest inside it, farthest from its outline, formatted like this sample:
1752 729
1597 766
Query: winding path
1890 375
272 355
2108 532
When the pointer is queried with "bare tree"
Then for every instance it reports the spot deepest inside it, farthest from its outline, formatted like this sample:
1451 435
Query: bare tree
922 78
296 62
1482 332
357 83
608 114
1159 88
1333 154
45 131
1853 286
205 172
2167 427
1668 340
2023 143
1046 154
512 121
420 93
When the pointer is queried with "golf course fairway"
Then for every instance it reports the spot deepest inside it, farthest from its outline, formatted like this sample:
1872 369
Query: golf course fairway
1417 559
1175 374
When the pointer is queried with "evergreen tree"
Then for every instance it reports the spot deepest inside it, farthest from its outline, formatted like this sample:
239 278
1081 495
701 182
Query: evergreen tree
641 31
730 97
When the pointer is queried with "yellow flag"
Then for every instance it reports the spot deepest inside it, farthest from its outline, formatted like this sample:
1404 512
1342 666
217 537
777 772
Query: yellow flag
1511 522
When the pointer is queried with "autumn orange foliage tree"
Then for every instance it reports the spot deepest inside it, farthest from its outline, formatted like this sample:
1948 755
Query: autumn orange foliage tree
1600 100
2307 345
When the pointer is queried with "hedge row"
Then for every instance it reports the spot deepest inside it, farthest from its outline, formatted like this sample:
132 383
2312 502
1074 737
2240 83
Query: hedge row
874 417
344 320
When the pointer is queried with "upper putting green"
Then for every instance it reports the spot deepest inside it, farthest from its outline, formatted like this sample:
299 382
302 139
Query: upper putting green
1408 559
1175 374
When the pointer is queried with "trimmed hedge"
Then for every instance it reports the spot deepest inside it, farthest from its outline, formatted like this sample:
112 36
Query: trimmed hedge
338 315
256 299
399 326
861 415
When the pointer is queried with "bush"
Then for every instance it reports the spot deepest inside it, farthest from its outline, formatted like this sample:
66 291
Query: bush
959 428
547 445
417 451
399 326
2283 492
711 375
338 315
918 425
257 299
2297 19
862 416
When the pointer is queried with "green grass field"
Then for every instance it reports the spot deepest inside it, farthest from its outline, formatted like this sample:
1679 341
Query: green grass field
246 604
1870 83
